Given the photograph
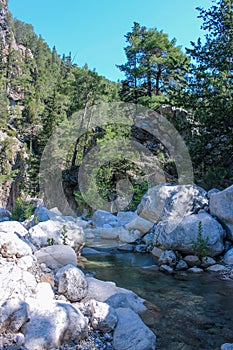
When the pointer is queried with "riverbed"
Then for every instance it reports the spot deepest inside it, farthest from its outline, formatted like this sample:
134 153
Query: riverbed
185 311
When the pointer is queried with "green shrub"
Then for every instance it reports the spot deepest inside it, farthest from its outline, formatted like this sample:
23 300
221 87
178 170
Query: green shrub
22 210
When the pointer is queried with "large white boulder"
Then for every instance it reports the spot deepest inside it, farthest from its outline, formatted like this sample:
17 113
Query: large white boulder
221 206
103 316
102 217
115 296
15 283
72 283
56 256
13 227
169 202
131 333
50 327
184 236
11 245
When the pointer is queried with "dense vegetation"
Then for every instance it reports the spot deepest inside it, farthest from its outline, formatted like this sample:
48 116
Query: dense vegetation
39 90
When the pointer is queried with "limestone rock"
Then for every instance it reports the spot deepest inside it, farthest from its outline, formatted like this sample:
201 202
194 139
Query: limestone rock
170 202
166 268
181 265
101 217
111 294
221 206
185 234
72 283
51 327
140 224
129 236
192 260
13 315
168 257
124 217
56 256
131 333
13 227
195 269
216 268
15 283
207 261
227 346
11 245
228 257
157 252
103 316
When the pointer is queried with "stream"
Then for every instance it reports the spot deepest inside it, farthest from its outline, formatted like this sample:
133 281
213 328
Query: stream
185 311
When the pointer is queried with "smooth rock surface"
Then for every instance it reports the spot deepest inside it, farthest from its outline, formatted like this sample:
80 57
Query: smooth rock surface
103 316
221 206
140 224
102 217
109 293
185 235
11 245
131 333
13 227
228 257
171 202
56 256
51 327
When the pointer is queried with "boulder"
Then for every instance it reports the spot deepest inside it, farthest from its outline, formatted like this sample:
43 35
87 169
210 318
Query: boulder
157 252
166 268
227 346
181 265
13 227
112 233
171 202
11 245
216 268
72 283
15 283
228 257
139 224
221 206
168 257
109 293
195 269
103 316
102 217
13 315
129 236
61 230
49 328
124 217
131 333
56 256
184 237
192 260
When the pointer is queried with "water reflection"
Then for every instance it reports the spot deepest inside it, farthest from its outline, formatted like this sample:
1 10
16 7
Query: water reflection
185 311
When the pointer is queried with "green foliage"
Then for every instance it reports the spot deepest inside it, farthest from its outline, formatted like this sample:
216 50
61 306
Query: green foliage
22 210
154 64
50 241
64 236
200 246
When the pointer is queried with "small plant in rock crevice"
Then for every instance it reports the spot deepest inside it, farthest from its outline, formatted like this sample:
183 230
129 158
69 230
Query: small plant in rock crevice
200 246
50 241
64 236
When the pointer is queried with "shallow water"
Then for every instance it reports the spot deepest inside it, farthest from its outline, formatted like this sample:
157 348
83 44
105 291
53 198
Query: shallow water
186 311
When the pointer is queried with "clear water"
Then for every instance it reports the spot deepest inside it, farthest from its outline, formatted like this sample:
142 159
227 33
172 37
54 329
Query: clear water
186 311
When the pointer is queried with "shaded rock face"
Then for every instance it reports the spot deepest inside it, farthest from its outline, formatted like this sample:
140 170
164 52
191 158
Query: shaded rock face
221 206
185 234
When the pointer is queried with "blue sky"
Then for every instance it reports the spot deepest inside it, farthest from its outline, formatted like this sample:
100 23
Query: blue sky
93 30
